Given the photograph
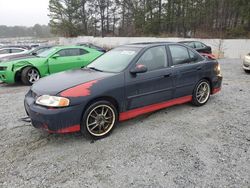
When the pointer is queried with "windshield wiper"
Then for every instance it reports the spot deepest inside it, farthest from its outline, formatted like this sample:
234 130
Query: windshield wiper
93 68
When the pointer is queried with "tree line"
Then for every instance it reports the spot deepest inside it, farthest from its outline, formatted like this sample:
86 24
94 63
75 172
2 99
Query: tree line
181 18
22 31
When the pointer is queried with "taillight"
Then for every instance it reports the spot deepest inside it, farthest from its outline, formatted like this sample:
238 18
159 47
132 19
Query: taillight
217 68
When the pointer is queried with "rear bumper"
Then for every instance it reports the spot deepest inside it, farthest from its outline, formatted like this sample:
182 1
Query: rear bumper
54 120
216 84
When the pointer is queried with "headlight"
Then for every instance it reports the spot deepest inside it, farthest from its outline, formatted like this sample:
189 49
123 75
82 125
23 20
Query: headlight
52 101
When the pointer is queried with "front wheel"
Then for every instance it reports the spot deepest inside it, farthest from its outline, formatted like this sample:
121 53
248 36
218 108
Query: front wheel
29 75
201 93
99 120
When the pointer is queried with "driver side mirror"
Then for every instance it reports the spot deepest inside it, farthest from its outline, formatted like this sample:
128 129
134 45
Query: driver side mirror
139 69
55 56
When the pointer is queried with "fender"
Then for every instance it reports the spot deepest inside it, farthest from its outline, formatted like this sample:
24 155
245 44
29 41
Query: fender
22 64
19 65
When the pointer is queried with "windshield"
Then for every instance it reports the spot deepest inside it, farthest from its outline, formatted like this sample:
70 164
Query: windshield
115 60
46 53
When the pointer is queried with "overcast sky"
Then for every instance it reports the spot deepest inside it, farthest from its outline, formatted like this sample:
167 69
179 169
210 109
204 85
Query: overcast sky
23 12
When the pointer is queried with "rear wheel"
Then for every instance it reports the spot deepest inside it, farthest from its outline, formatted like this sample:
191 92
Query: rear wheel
99 120
29 75
247 71
201 93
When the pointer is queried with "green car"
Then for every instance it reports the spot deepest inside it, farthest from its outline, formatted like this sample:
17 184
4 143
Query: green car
54 60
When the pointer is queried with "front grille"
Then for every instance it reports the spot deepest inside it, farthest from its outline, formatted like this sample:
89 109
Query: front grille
33 94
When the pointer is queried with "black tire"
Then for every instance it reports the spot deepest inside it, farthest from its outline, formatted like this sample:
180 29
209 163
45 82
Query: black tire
25 78
195 98
88 120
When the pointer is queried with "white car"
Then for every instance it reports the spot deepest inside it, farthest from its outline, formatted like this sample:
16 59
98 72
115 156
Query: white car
11 51
246 63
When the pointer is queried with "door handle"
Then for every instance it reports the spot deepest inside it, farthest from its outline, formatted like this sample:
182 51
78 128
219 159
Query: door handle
167 75
198 68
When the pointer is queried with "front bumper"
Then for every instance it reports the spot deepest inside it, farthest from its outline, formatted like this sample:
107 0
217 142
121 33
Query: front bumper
7 76
246 66
217 84
246 63
53 120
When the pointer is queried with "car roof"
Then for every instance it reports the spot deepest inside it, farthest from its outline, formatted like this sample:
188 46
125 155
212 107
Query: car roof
147 44
189 41
74 46
12 48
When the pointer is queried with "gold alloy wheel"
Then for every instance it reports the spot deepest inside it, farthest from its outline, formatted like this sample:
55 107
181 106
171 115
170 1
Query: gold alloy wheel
203 92
100 120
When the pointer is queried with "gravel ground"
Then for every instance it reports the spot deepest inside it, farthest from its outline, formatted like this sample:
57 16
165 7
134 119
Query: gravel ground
182 146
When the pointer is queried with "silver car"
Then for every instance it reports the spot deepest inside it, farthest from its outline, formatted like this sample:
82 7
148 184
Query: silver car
246 63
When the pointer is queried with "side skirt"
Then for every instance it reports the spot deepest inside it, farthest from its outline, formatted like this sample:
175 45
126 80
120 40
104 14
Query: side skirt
146 109
216 90
71 129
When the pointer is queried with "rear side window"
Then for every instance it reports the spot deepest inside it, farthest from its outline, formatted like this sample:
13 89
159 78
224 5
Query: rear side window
16 50
82 52
190 44
154 58
199 45
72 52
194 56
5 51
179 54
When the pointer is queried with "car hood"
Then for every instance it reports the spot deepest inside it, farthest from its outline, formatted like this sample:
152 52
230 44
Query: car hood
31 60
56 83
16 57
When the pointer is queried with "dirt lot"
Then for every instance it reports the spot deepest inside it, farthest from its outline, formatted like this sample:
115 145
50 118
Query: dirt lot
182 146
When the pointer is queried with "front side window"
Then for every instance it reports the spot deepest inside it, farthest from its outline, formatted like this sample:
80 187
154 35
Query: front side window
154 58
199 45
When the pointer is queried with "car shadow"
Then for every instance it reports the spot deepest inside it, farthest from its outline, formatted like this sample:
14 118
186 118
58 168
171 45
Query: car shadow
69 138
18 84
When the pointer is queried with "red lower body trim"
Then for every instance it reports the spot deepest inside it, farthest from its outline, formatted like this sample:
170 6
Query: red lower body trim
146 109
71 129
216 90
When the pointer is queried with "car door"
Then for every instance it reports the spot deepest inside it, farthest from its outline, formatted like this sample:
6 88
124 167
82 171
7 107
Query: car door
66 59
187 67
153 86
